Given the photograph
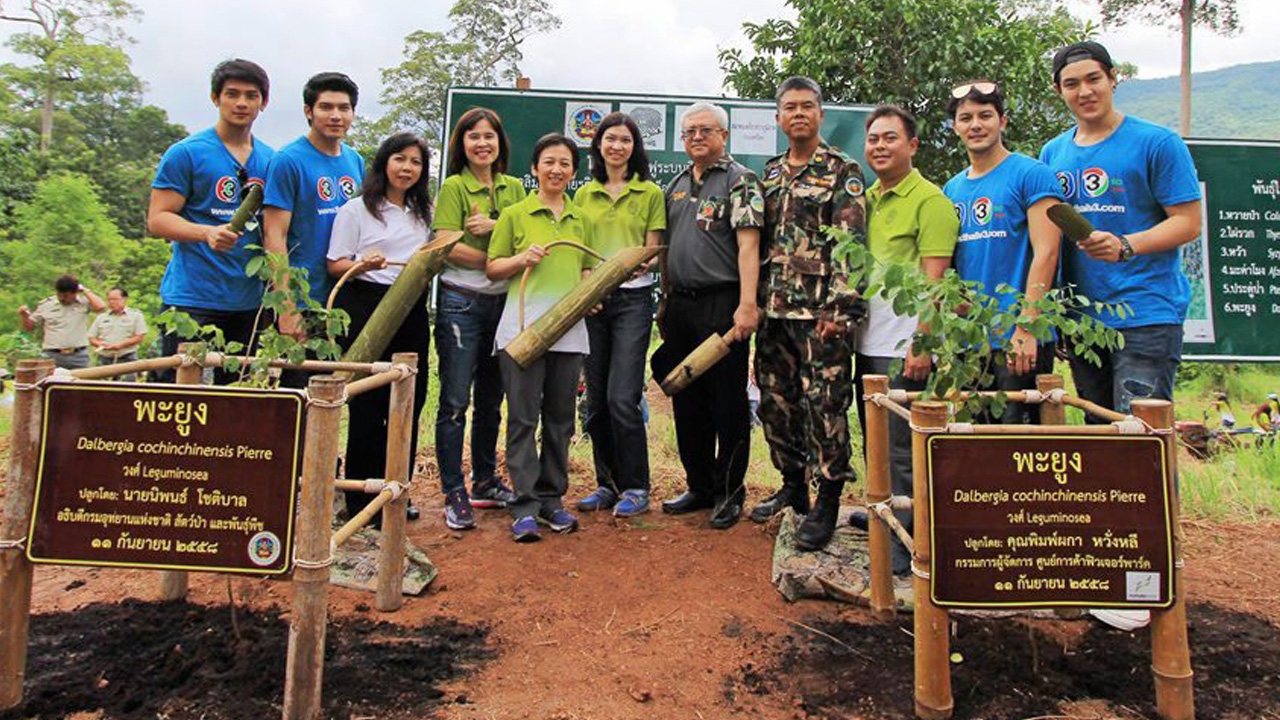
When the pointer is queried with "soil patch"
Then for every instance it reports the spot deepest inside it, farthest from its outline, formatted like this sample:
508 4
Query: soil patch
182 661
1014 668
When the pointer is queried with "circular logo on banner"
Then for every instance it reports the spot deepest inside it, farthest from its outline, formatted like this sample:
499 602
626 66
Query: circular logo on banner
225 189
324 188
1067 182
959 208
1094 181
982 210
264 548
347 185
583 123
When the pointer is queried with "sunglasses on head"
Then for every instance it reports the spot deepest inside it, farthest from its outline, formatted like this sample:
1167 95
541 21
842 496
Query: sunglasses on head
982 88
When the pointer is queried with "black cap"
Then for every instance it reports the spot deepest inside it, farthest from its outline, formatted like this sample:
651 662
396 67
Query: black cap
1075 52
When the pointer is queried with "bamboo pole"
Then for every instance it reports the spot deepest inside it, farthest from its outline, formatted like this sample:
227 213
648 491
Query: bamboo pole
1170 649
373 382
362 518
712 350
15 568
174 583
932 671
358 486
137 366
537 339
399 469
408 289
1094 409
1051 413
214 359
879 489
304 665
1039 429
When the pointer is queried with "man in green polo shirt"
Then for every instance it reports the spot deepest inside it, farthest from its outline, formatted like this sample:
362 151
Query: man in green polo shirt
65 319
911 222
116 333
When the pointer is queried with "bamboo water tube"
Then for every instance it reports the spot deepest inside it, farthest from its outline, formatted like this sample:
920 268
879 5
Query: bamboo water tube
703 358
536 339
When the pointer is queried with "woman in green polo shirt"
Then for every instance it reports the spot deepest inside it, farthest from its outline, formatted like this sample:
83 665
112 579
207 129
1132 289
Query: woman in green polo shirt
467 311
626 209
547 388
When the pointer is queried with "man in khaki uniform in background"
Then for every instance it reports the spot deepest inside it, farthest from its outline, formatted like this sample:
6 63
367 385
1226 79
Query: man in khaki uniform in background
116 333
65 319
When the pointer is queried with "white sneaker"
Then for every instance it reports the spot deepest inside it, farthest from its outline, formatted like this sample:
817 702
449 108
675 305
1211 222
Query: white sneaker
1127 620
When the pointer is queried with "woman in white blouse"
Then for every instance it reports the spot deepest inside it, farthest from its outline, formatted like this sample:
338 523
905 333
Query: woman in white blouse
385 223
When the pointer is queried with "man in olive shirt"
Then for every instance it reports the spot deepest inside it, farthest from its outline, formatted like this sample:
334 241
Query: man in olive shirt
912 222
116 333
715 209
65 319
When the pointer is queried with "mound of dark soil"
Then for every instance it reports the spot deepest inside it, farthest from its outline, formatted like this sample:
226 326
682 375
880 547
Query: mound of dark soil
181 661
1016 669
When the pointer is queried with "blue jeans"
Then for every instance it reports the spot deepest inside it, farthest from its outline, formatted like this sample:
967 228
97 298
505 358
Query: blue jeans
1144 368
465 326
619 336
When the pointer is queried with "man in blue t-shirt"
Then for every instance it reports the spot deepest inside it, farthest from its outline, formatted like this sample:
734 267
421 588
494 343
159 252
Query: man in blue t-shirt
198 186
1006 237
1136 183
309 180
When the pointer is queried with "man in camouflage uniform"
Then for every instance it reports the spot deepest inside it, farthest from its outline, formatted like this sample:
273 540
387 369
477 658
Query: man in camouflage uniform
804 351
715 209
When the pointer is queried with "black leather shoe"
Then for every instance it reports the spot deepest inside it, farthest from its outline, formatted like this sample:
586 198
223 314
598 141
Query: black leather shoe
727 512
820 524
794 495
859 519
686 503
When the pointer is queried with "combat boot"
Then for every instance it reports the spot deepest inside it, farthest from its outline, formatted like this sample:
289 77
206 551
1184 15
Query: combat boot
820 524
793 494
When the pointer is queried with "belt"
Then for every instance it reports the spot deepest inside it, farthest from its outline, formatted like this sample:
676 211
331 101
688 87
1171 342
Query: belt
703 291
65 351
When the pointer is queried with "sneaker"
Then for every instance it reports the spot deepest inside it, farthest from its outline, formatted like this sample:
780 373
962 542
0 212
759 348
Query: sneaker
560 520
490 494
457 511
602 499
525 530
633 502
1127 620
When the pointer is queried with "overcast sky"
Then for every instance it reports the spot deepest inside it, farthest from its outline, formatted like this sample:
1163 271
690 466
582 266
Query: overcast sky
658 46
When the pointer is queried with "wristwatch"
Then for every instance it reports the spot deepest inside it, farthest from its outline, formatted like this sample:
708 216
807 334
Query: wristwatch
1126 249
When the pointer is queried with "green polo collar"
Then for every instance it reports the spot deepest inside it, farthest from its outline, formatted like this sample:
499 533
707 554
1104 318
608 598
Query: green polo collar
904 188
474 185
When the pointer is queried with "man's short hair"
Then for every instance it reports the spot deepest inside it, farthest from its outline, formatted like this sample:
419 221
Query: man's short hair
123 293
244 71
995 97
797 82
66 284
722 117
329 82
1075 52
908 120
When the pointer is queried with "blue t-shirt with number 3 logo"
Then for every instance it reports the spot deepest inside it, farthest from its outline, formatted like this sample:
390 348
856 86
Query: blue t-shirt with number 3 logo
1122 186
312 186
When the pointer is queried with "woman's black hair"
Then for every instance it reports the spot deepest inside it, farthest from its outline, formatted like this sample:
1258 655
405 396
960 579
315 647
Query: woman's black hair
551 139
637 164
458 153
374 190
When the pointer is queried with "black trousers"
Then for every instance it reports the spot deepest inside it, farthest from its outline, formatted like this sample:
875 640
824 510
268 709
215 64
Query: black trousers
236 326
367 426
712 416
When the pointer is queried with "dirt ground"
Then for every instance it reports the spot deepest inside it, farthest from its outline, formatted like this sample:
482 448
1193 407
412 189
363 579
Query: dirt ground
658 618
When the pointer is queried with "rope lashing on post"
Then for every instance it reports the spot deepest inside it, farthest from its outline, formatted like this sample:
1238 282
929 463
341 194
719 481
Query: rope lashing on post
19 544
960 428
1131 426
39 384
524 277
328 403
890 402
390 492
1171 676
922 574
313 564
932 430
884 512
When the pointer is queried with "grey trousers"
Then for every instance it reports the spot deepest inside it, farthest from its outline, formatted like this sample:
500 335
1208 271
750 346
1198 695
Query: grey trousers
68 361
547 390
123 358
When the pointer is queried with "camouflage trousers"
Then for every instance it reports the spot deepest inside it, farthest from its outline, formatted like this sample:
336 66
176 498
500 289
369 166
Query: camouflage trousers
806 386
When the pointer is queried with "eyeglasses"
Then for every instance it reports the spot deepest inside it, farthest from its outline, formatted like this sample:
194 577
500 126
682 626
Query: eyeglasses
982 88
696 132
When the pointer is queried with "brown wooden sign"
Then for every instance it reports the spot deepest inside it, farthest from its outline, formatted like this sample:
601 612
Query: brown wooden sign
167 477
1050 521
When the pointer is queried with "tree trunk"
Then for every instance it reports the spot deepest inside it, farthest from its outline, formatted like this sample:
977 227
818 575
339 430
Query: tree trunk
1184 113
46 119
